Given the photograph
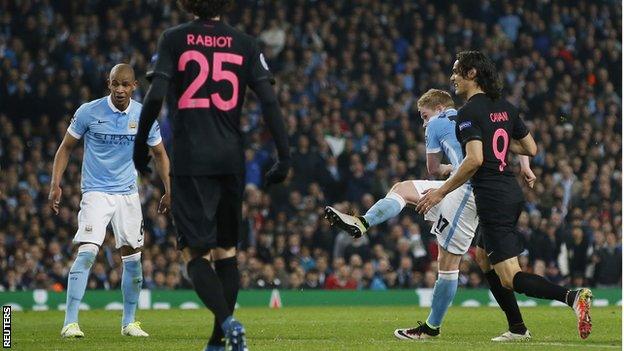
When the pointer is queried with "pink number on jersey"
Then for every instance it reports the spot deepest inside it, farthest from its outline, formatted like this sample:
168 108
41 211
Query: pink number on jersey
218 74
187 100
500 155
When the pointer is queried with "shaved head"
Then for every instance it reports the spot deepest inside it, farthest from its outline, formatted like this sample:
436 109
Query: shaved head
122 83
122 70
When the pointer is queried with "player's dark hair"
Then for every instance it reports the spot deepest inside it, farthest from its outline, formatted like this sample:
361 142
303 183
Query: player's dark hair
206 9
487 77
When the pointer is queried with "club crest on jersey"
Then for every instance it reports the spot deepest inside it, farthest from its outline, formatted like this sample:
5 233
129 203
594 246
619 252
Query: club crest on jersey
88 228
132 124
464 125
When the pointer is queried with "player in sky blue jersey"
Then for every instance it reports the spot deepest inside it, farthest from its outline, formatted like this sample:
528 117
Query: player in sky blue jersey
109 192
455 219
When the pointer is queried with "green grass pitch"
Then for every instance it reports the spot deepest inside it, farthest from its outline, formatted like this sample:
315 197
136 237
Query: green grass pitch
320 328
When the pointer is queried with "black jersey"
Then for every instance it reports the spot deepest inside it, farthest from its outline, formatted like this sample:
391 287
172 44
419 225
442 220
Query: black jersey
209 65
495 123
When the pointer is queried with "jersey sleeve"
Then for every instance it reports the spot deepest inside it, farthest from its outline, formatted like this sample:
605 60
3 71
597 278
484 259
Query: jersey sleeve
79 123
468 127
154 137
432 143
259 70
520 129
163 60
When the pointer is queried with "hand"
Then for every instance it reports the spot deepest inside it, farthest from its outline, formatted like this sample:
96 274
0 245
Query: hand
528 176
54 199
430 198
141 158
446 170
165 204
277 173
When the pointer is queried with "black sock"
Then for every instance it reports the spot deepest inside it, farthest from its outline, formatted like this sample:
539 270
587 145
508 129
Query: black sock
535 286
208 287
507 302
570 296
366 225
227 270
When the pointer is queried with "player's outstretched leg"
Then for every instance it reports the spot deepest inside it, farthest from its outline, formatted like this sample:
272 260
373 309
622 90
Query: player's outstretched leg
535 286
443 294
384 209
76 286
131 282
227 270
506 299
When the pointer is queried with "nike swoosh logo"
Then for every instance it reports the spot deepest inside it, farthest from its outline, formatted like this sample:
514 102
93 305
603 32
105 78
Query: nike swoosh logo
490 253
101 121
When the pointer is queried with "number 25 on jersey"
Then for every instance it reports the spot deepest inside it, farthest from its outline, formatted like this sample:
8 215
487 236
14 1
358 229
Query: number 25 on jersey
218 74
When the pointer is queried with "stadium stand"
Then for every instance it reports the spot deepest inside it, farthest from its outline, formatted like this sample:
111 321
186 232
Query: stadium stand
348 75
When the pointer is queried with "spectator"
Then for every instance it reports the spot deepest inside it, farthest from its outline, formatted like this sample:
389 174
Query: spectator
268 280
312 280
609 263
341 280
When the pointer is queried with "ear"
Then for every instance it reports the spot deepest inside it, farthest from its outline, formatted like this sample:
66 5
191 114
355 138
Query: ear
472 73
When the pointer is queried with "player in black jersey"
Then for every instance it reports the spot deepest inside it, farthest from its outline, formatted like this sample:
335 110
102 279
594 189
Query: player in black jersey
207 65
488 128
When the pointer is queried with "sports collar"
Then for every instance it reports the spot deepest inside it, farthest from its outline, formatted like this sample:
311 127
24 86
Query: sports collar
442 114
114 108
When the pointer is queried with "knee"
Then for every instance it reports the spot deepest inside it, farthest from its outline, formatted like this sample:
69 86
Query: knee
401 188
86 256
506 281
405 190
88 248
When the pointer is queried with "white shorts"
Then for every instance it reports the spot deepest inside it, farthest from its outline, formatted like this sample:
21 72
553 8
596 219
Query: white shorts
123 212
455 217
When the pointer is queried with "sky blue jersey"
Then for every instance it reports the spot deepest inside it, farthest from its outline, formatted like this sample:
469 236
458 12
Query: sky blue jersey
109 141
440 137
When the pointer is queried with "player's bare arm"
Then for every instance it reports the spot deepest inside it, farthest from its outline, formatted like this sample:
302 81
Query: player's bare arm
525 146
468 167
161 161
434 166
60 164
525 171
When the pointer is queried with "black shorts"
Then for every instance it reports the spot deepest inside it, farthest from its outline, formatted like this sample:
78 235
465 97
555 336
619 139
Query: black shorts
207 210
497 233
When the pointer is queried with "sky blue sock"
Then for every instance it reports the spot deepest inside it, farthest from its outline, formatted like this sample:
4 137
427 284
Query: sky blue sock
384 209
77 284
443 294
131 282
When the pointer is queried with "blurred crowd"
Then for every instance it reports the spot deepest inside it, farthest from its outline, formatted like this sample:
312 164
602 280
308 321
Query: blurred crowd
348 75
